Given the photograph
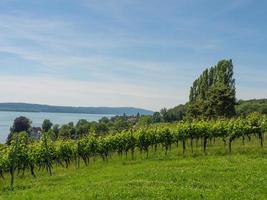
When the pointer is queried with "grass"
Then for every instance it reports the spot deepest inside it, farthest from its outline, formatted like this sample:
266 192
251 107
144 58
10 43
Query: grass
217 175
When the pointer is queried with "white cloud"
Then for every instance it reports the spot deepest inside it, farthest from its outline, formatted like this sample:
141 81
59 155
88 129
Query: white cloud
59 53
57 43
59 46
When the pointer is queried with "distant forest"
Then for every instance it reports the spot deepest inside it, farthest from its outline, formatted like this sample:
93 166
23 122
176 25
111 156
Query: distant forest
255 105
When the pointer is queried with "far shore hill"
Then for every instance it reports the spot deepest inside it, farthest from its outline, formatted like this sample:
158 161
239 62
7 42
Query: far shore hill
27 107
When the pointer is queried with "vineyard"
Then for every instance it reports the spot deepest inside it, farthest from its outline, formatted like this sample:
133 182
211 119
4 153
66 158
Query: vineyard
45 154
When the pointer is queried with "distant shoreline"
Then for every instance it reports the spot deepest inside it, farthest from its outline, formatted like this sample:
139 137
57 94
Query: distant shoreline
28 111
39 108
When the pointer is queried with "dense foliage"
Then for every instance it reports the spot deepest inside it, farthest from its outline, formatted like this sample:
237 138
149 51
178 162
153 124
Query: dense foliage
23 155
47 125
213 93
20 124
255 105
242 107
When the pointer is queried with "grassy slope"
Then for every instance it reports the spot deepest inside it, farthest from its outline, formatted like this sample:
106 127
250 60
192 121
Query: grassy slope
242 175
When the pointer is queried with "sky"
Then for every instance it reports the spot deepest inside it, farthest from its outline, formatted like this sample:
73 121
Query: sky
138 53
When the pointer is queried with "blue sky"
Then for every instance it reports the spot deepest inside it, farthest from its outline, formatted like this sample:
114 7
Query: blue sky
140 53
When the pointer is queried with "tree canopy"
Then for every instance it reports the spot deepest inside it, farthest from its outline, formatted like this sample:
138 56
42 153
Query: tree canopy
47 125
213 92
21 124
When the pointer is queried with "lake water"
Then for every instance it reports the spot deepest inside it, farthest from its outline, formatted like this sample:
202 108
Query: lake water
7 119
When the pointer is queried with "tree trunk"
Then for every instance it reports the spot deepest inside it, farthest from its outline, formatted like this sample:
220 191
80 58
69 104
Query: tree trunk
230 145
166 150
32 171
205 144
262 138
11 171
183 147
224 143
191 145
132 153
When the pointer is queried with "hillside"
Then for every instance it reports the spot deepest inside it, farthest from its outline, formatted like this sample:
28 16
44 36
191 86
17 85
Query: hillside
253 105
214 176
25 107
242 107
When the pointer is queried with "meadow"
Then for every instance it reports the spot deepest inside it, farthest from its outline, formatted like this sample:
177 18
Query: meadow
215 174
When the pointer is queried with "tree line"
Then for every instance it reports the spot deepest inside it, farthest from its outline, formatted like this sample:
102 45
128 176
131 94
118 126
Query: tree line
83 127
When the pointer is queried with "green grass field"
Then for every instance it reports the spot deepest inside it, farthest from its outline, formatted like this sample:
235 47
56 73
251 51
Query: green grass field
217 175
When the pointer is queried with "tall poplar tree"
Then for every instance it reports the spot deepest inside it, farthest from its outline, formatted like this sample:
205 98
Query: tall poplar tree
213 93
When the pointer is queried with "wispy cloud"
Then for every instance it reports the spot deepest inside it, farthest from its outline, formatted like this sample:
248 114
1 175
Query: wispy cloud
57 46
115 52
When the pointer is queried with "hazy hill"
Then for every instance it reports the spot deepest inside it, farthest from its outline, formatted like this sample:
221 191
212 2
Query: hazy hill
25 107
243 107
253 105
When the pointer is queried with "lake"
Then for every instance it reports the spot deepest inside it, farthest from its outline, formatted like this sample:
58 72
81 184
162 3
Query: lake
7 119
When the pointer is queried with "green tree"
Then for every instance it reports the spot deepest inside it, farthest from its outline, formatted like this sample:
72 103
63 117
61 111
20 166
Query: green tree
67 131
221 101
83 127
20 124
120 125
104 120
213 93
56 130
47 125
156 117
164 114
145 120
